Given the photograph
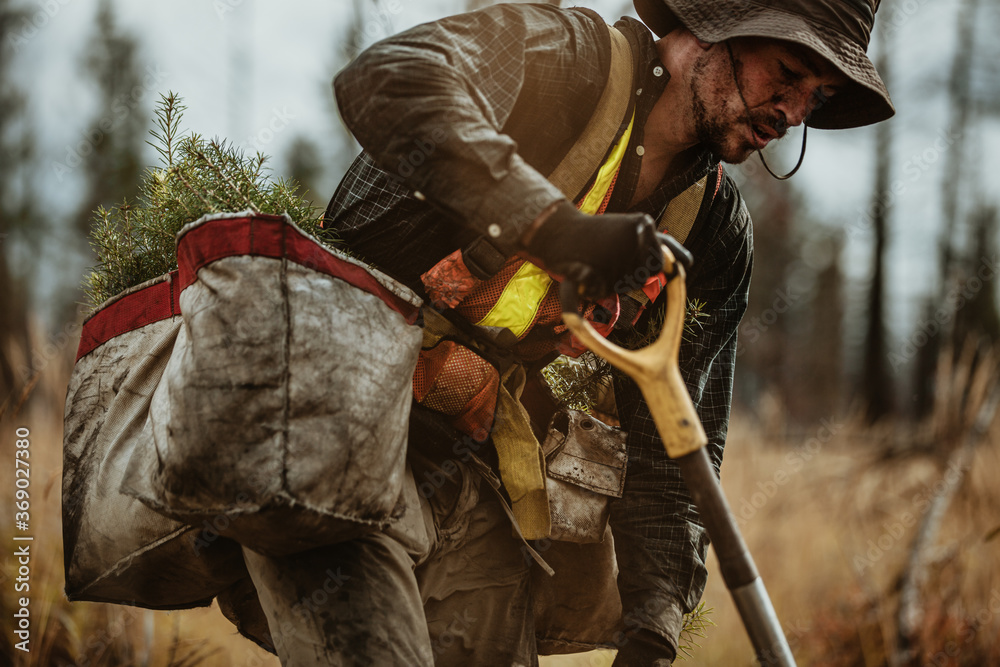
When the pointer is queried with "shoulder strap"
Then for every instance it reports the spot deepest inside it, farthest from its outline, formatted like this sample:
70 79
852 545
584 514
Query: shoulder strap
679 218
585 156
682 211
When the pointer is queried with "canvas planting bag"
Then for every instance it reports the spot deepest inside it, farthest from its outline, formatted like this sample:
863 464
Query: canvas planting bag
115 548
267 398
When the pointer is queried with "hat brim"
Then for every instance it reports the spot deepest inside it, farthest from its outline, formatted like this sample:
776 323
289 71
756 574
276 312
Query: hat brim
863 102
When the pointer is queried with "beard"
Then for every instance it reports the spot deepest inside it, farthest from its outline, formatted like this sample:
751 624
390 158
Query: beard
717 135
726 129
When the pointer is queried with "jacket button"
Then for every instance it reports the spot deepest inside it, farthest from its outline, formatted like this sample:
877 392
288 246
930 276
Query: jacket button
640 150
657 71
494 230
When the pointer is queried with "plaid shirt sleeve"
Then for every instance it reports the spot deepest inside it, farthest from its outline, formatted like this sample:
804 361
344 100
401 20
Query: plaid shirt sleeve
429 106
659 540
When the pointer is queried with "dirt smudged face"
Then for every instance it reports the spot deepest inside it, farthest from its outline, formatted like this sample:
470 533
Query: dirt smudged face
742 102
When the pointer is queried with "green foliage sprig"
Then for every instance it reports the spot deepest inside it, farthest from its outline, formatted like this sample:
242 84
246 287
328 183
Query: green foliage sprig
578 383
136 241
695 627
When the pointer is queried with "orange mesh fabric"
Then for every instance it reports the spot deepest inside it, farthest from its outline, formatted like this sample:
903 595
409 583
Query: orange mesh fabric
549 333
449 281
455 381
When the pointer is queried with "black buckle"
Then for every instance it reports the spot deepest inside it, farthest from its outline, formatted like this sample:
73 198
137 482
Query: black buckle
482 258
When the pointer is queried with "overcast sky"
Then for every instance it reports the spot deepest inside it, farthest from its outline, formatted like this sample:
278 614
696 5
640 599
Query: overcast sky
259 72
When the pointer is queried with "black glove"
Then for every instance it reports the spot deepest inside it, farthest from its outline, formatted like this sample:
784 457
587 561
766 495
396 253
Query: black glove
614 252
645 649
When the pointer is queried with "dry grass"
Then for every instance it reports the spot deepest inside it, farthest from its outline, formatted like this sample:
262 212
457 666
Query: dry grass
831 542
828 524
830 528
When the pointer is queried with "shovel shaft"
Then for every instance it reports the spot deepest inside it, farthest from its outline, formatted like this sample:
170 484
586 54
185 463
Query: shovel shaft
735 562
655 370
763 627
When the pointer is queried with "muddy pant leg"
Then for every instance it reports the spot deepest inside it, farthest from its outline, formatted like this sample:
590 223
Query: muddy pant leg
351 604
477 596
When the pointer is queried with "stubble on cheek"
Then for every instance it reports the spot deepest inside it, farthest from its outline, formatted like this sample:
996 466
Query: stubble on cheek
718 126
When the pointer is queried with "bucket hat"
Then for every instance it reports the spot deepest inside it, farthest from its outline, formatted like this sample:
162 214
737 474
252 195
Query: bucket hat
837 30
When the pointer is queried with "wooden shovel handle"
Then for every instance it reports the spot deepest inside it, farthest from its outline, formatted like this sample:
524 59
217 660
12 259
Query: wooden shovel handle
654 368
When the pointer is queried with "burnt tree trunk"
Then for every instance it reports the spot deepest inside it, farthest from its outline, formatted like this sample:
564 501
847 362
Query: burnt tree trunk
960 105
876 382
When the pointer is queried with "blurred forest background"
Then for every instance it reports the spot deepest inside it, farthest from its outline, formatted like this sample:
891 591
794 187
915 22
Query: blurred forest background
863 454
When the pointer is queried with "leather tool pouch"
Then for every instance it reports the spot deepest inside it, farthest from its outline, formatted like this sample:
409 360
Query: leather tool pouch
585 469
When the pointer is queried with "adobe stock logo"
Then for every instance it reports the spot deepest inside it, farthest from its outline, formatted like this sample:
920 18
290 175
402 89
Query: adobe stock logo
794 462
423 148
20 35
758 325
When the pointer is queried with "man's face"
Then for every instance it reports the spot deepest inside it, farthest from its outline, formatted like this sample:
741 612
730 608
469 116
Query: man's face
781 84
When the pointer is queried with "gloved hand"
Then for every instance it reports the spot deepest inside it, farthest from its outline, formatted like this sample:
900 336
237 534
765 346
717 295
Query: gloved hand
604 253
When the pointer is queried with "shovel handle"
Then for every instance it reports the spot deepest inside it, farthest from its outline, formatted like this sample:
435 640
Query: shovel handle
654 368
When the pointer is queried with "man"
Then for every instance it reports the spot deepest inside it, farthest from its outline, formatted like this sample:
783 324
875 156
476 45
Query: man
461 120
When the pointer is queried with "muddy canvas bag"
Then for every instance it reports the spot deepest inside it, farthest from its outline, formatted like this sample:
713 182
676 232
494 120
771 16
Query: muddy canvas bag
253 394
115 548
283 414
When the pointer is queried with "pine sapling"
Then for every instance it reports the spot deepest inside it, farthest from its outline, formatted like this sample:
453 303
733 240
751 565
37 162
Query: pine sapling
135 241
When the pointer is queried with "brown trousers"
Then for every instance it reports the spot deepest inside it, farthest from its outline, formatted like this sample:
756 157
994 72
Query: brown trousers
447 585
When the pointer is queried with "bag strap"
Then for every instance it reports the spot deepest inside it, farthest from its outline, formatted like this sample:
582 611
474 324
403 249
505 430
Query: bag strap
679 217
573 173
678 220
585 157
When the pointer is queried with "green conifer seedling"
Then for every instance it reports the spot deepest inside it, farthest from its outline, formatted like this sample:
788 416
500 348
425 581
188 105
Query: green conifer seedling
136 240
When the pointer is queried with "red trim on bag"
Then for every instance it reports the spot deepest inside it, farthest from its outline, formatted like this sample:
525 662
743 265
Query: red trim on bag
130 312
267 236
271 236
